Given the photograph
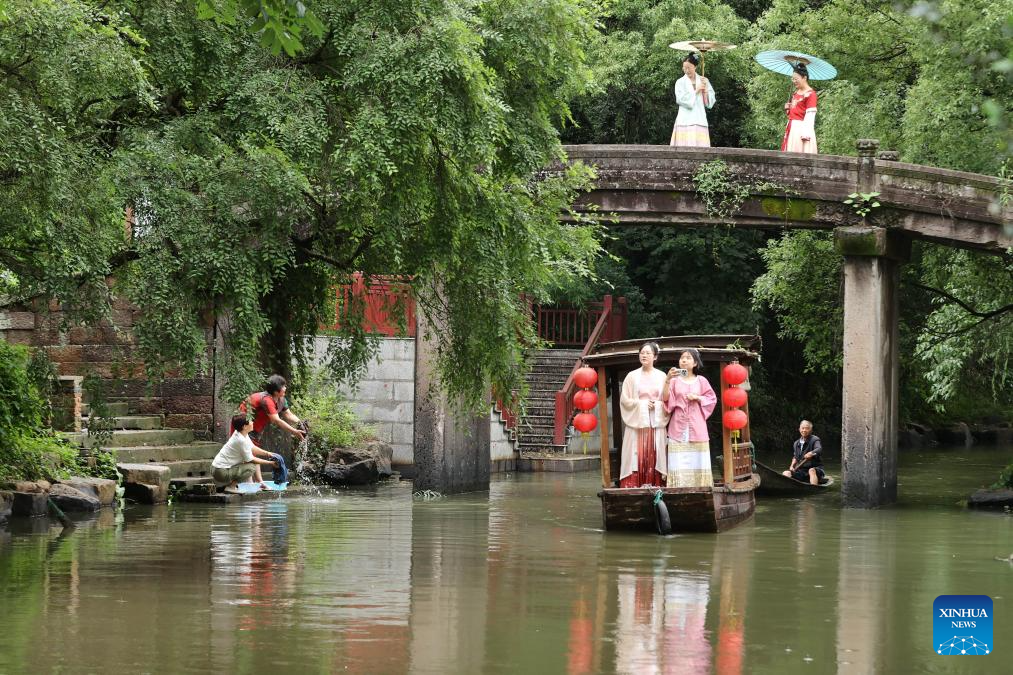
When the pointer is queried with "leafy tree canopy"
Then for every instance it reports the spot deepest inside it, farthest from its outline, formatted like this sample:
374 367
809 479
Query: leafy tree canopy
406 138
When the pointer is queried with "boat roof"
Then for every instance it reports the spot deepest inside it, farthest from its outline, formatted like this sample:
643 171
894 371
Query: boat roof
712 348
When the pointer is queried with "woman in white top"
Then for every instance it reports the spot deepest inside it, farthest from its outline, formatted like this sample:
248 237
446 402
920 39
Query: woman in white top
643 456
235 461
695 95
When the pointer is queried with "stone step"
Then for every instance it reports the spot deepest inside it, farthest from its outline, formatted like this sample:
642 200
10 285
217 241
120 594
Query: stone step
525 437
167 453
187 482
539 447
135 437
135 422
188 468
536 462
117 409
200 468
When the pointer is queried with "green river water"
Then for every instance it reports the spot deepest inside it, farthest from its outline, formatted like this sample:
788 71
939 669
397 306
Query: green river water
518 580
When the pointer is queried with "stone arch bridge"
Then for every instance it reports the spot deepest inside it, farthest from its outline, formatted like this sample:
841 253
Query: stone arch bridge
654 185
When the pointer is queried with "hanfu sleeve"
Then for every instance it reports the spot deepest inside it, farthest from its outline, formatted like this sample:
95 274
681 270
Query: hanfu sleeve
708 399
809 121
684 94
711 98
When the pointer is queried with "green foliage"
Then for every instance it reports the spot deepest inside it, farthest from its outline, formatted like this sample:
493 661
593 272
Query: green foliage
723 195
395 137
968 333
693 280
1005 479
279 22
72 71
28 450
333 424
802 285
24 409
862 203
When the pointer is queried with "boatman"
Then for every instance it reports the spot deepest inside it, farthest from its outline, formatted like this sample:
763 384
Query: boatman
807 456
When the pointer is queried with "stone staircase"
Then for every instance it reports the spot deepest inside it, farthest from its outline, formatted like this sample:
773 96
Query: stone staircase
548 373
141 439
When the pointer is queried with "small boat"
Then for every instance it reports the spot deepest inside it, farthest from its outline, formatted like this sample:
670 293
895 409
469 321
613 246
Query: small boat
776 483
730 500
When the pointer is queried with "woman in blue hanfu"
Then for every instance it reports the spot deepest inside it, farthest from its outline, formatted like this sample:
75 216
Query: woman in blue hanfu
695 95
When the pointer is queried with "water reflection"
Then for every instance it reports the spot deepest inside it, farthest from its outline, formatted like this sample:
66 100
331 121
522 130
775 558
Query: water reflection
519 580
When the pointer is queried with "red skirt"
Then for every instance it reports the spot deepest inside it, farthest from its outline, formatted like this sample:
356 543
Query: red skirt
645 475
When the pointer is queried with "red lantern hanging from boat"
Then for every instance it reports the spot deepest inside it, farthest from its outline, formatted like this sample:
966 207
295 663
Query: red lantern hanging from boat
585 377
735 419
585 422
734 397
735 373
585 399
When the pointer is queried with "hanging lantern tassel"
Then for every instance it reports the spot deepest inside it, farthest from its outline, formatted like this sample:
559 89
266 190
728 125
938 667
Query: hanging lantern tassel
585 423
734 420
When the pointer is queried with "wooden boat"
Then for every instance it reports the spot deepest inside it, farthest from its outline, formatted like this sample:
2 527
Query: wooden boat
732 498
776 483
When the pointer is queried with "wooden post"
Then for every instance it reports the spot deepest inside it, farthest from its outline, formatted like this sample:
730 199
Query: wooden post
726 435
617 420
603 421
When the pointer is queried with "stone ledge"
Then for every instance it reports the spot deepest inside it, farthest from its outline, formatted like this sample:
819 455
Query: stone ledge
872 241
553 462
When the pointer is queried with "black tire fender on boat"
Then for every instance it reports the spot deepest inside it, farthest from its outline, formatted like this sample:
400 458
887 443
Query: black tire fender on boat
661 517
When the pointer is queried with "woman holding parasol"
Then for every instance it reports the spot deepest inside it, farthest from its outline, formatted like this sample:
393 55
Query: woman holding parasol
694 95
800 133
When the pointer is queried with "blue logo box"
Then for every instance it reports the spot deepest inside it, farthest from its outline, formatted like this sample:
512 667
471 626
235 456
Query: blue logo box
962 625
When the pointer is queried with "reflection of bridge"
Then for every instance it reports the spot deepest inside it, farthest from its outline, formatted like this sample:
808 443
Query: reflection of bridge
654 185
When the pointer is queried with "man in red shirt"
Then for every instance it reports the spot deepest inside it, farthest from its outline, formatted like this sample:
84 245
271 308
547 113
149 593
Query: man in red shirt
271 407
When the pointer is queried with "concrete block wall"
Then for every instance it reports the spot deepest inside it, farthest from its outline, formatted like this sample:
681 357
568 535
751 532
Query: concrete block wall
384 398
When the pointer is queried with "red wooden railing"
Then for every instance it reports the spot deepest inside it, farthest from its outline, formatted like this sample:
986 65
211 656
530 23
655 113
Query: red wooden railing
380 296
507 413
572 326
610 326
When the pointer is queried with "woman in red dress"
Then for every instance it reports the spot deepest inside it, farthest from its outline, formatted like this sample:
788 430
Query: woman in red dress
800 134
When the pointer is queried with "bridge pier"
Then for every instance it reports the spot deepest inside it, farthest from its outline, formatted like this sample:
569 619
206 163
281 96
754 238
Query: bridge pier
872 260
451 445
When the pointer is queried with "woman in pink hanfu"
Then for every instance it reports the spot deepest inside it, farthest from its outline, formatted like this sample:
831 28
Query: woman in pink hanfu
800 134
645 421
690 400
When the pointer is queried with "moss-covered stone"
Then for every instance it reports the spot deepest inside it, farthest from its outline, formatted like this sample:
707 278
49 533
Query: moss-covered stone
800 210
860 241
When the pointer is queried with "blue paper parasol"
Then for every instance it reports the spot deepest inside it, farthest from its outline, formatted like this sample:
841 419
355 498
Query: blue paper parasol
781 62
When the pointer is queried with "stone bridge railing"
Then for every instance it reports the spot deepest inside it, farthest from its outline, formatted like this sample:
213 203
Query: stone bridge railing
654 185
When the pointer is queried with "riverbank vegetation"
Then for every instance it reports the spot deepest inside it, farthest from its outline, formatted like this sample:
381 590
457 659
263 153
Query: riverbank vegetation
28 448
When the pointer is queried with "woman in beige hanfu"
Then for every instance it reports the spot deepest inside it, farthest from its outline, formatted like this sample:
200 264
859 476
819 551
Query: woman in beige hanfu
645 422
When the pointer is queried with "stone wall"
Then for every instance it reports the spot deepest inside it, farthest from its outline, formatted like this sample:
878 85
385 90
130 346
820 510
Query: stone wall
109 352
